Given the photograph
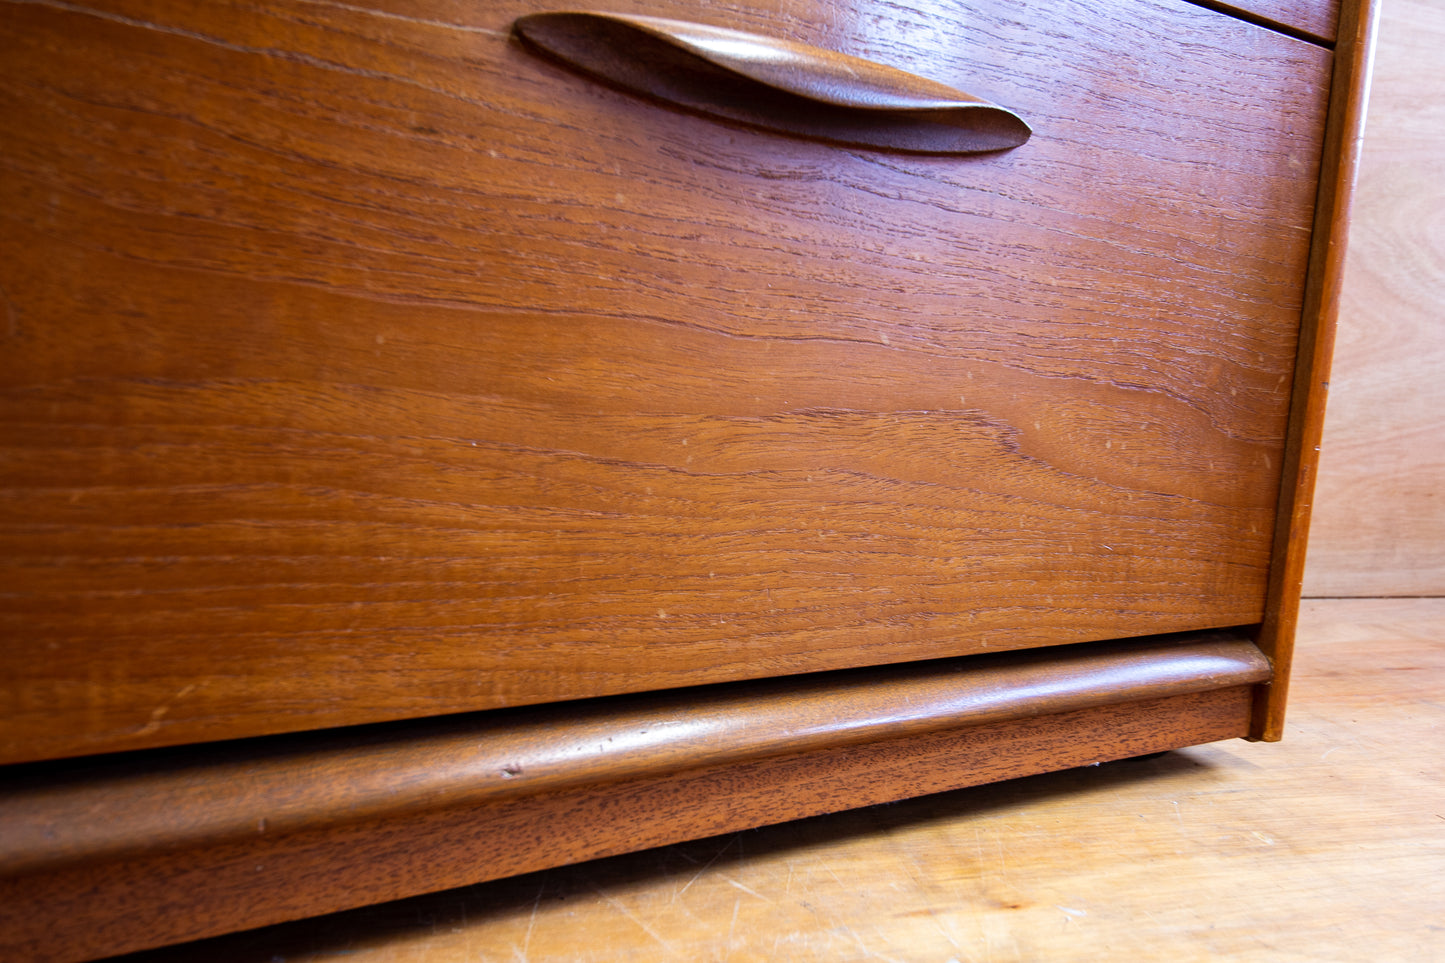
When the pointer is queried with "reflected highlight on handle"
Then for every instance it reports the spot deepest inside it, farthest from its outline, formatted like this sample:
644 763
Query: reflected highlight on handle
777 84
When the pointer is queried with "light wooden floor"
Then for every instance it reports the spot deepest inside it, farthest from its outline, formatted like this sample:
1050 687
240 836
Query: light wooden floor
1328 846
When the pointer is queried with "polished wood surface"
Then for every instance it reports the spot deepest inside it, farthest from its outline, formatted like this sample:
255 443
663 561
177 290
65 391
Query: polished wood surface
128 853
92 811
1314 19
361 365
1328 846
1335 203
774 83
1379 524
83 911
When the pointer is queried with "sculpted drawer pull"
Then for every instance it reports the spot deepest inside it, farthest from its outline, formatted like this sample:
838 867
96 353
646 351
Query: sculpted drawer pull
777 84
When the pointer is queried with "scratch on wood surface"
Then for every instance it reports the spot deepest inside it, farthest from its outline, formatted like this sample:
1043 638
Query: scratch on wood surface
835 876
682 851
615 904
872 953
704 869
159 712
998 840
943 931
746 889
531 922
728 947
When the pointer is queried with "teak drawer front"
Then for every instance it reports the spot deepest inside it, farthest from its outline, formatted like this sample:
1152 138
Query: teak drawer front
361 364
1317 19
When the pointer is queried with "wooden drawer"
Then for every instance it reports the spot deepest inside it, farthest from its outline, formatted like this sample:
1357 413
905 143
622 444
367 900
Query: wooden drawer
1316 20
410 446
366 365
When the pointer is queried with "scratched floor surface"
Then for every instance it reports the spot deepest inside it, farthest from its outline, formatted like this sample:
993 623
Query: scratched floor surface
1328 846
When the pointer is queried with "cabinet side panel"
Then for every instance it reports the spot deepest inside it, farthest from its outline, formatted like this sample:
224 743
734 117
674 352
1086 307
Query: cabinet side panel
1344 134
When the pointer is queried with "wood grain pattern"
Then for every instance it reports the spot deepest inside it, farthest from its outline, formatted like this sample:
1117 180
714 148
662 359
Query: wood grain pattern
1317 20
1327 846
1343 134
361 366
102 810
1379 520
773 83
166 887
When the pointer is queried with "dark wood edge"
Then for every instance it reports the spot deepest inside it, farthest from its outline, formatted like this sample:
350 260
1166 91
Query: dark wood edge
1321 27
1344 132
83 910
108 809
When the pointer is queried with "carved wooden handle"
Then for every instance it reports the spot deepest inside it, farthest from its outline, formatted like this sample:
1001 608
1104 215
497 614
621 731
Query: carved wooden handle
777 84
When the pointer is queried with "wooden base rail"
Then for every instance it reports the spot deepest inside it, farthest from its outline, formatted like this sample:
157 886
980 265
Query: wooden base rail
112 854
